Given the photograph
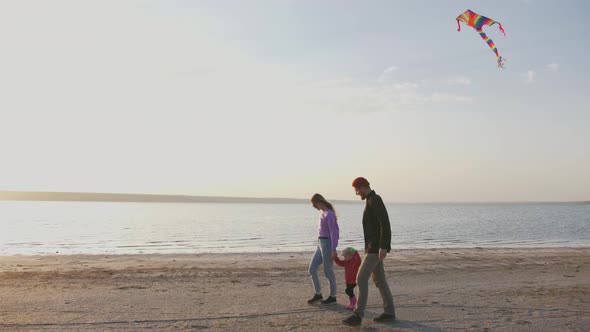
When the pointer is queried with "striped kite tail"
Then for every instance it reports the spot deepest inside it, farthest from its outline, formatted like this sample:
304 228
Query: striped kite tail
491 44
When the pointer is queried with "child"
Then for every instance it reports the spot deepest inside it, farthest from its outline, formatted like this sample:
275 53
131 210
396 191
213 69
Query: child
351 263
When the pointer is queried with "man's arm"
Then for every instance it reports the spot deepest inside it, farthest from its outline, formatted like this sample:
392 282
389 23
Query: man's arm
384 227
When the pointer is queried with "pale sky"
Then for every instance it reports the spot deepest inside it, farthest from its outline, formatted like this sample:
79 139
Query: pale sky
289 98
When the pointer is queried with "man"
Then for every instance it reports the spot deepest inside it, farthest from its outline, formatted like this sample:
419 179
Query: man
377 234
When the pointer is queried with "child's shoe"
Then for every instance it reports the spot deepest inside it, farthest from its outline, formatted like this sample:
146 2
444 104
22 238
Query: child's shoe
352 304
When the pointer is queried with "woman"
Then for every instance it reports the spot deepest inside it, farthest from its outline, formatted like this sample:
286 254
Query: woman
326 250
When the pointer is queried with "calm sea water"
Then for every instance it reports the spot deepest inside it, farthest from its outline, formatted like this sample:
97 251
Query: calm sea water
122 228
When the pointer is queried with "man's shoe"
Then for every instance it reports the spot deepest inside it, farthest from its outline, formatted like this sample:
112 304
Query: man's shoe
315 298
384 318
329 300
353 320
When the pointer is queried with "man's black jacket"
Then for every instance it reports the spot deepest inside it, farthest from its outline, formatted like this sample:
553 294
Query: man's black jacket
376 224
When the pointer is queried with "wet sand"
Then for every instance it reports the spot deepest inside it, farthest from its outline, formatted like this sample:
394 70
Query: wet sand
440 289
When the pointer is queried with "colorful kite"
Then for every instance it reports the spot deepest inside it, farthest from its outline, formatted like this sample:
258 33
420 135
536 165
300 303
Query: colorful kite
477 22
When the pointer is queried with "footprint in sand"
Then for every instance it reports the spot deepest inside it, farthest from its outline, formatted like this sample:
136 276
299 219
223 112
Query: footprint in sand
199 327
131 287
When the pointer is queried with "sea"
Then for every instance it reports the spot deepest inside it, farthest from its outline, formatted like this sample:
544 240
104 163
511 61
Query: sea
48 227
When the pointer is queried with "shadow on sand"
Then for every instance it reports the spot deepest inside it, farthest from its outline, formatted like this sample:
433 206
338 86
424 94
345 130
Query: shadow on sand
406 324
402 324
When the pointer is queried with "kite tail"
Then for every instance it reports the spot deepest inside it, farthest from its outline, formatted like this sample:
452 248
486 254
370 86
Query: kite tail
493 47
458 26
501 29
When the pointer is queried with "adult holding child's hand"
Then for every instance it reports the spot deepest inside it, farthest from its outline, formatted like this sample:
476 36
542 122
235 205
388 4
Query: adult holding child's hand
326 250
377 233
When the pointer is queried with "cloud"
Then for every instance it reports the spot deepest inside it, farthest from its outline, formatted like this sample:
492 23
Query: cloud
390 69
354 96
438 97
459 80
334 82
406 86
530 76
553 66
387 74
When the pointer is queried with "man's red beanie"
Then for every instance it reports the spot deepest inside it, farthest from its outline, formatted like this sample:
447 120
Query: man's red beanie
360 182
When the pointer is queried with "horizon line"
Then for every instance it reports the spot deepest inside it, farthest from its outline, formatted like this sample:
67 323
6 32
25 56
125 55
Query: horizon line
23 195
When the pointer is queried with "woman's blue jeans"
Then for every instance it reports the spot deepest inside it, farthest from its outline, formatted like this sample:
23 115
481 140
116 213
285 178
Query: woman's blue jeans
323 254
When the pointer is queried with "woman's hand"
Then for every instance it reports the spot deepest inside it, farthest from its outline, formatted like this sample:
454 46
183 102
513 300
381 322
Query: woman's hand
334 254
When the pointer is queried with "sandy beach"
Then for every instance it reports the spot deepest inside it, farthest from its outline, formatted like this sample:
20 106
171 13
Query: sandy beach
435 289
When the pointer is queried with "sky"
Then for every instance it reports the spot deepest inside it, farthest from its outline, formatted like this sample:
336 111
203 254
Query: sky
289 98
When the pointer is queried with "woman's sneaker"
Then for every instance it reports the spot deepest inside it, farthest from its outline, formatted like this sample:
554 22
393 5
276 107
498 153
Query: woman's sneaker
315 298
329 300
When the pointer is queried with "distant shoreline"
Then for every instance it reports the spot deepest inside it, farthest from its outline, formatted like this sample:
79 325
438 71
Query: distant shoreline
150 198
146 198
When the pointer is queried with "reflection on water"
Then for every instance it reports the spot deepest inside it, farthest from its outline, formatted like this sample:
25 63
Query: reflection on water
89 227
